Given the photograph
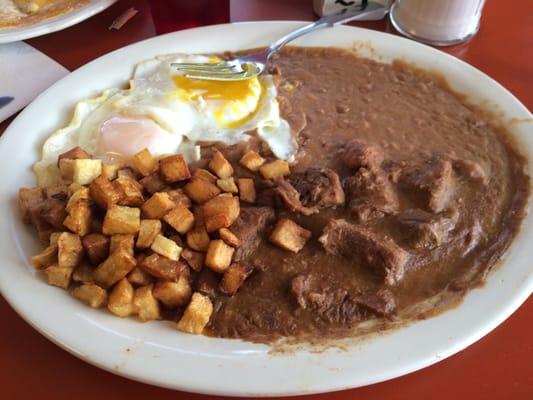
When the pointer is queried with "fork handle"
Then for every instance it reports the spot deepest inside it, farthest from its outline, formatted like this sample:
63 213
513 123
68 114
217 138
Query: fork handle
356 12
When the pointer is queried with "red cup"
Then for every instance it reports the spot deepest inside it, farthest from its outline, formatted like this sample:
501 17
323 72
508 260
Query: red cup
173 15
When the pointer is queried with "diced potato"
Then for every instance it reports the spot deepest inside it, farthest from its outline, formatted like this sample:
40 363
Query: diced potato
218 257
127 173
173 294
227 185
205 175
114 268
53 212
121 219
144 162
138 277
84 171
289 236
45 258
229 237
234 277
179 198
247 190
29 199
83 273
220 212
145 305
130 192
220 166
161 267
125 241
73 154
74 187
54 237
91 294
158 205
198 239
194 259
166 247
153 183
70 250
96 246
77 194
180 218
79 217
103 192
120 300
174 169
201 190
110 171
58 276
58 191
148 231
196 315
66 169
275 169
252 160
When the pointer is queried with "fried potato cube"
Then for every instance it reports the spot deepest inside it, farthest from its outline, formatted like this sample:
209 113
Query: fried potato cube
144 162
103 192
218 257
29 199
120 301
73 154
173 294
166 247
130 192
145 305
58 191
247 190
84 171
196 315
161 267
153 183
220 166
121 219
227 185
91 294
194 259
198 239
74 187
220 212
275 169
54 237
180 218
229 237
110 171
79 218
289 235
179 197
148 231
205 175
114 268
96 247
174 169
138 277
58 276
158 205
252 160
77 193
45 258
125 241
83 273
53 212
70 250
201 190
234 277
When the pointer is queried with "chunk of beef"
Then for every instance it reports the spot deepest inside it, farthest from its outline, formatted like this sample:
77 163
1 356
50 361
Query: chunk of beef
371 195
427 230
380 254
360 154
381 303
318 188
471 170
432 183
249 228
290 197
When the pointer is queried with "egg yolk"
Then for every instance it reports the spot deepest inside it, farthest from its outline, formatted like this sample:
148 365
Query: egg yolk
217 90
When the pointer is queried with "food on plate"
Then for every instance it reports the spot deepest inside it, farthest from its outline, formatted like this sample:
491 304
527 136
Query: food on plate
17 13
335 196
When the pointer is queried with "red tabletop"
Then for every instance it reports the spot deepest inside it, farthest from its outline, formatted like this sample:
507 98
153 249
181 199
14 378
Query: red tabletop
498 366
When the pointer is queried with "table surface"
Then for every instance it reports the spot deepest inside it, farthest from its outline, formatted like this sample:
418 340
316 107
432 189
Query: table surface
498 366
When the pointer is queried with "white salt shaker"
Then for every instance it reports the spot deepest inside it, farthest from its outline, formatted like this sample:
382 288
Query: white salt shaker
437 22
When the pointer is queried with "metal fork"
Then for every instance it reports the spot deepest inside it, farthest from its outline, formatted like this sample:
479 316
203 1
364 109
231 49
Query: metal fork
249 66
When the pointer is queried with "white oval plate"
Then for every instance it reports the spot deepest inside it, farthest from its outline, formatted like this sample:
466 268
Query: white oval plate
158 354
56 23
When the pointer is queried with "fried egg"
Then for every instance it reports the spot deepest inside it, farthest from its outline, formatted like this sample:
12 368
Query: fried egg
166 113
